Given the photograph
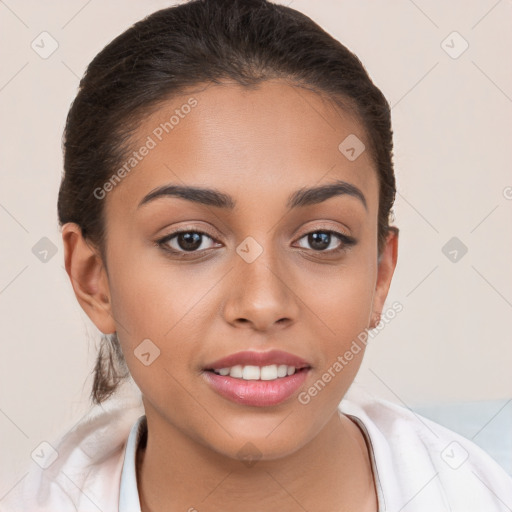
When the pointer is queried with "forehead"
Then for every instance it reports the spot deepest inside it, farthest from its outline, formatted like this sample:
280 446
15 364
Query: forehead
272 139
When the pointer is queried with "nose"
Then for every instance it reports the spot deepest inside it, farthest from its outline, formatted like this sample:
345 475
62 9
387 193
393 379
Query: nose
260 294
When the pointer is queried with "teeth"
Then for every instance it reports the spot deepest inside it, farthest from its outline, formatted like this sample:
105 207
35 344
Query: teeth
249 372
235 371
282 370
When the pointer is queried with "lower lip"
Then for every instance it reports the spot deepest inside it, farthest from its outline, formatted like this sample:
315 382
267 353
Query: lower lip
259 393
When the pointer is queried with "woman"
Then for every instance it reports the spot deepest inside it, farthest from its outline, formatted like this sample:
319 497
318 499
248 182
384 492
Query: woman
225 216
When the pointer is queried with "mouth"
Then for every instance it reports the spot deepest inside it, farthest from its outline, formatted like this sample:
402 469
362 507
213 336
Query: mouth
259 379
252 372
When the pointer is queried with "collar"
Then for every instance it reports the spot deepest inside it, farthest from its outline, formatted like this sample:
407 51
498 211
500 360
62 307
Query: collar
128 491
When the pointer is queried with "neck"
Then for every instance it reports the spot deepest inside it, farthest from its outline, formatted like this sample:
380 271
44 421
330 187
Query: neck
331 472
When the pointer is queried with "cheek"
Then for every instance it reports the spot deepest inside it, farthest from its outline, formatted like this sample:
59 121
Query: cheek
344 300
344 305
152 300
150 295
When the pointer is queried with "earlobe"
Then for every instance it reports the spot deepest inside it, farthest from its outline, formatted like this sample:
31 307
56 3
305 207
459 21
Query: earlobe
86 271
386 267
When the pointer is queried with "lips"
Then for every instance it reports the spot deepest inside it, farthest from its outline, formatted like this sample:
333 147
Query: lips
256 393
226 378
254 358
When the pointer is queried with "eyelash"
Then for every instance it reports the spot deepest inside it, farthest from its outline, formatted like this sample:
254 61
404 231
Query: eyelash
346 241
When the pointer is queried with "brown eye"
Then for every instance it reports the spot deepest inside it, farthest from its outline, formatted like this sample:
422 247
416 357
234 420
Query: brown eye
319 240
189 241
327 241
185 241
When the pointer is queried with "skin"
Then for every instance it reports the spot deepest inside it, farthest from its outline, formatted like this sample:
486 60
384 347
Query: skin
259 146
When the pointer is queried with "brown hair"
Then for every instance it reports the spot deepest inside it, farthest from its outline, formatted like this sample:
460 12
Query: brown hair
198 42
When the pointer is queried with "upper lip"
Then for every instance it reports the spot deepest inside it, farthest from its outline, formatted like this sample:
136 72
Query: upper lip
251 357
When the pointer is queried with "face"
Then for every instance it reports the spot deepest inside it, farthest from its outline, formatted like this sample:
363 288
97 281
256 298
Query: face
259 267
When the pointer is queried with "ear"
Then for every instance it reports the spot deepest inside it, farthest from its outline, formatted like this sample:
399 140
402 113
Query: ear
88 276
386 267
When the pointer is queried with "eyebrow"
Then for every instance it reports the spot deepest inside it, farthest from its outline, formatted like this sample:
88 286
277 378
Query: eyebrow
212 197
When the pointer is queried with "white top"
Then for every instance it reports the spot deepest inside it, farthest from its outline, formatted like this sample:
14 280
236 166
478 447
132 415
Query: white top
419 466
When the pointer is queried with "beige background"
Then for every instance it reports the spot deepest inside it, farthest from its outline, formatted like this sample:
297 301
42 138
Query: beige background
451 116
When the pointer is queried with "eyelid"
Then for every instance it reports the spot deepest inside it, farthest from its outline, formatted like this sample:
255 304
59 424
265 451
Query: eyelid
325 226
185 229
346 241
204 231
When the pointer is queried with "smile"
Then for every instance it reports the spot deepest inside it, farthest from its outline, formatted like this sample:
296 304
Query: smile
249 372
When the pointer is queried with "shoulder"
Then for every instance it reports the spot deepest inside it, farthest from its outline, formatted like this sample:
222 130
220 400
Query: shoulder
81 470
422 465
